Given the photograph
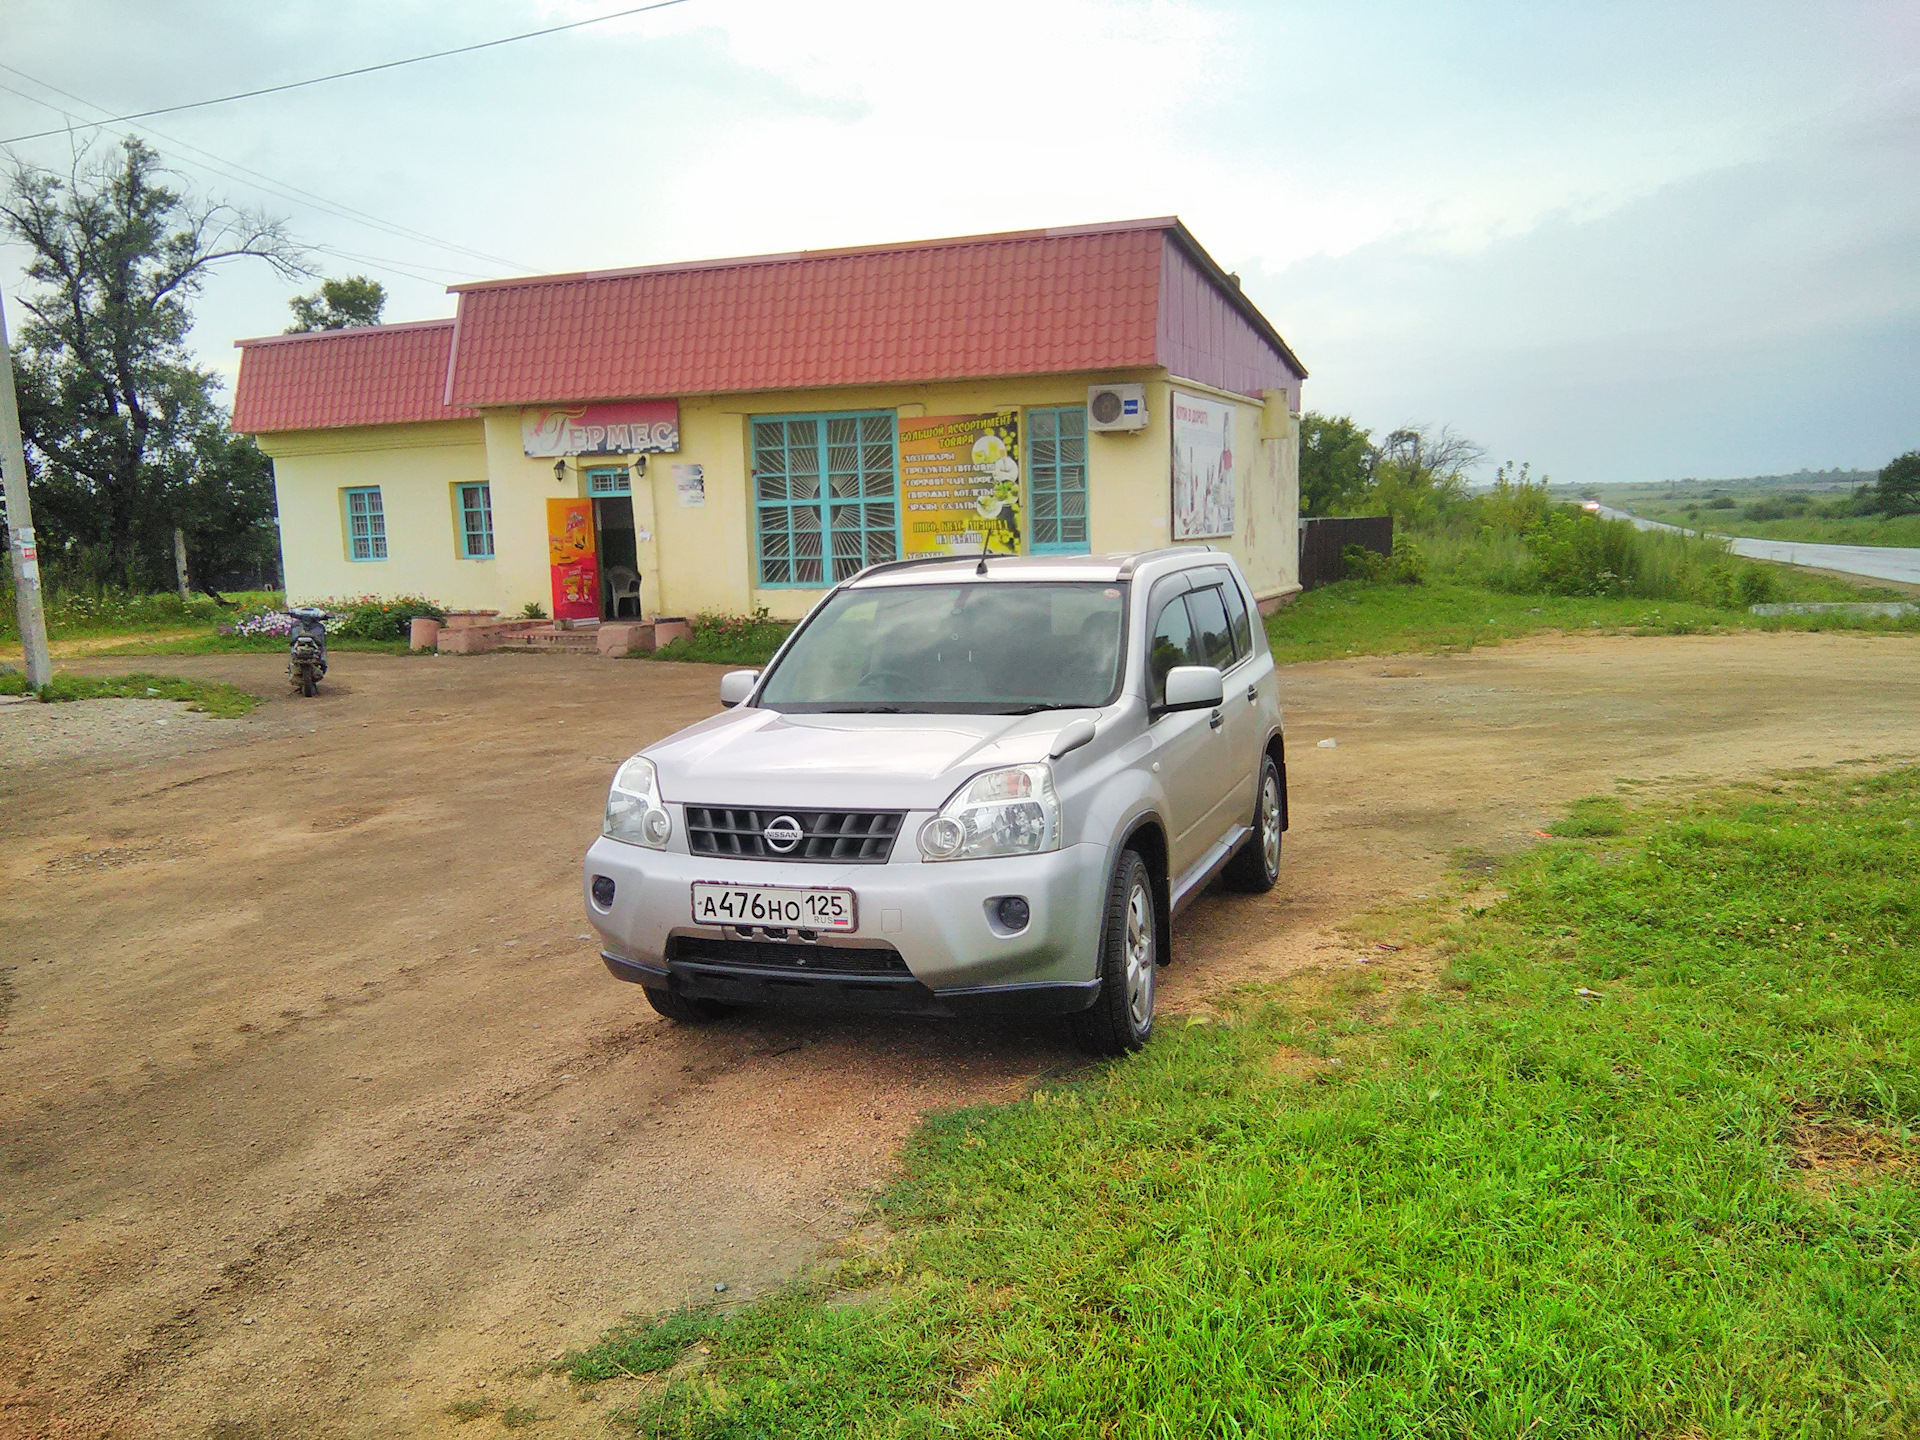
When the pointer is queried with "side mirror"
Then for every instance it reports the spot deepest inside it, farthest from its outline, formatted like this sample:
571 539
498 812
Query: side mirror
1193 687
737 685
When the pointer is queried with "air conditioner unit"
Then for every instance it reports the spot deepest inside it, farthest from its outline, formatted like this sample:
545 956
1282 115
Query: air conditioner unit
1116 407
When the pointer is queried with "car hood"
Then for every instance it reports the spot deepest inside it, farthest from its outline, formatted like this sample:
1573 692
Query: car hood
761 758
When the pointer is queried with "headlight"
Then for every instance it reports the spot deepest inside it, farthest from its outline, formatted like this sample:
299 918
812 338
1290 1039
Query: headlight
1003 812
634 811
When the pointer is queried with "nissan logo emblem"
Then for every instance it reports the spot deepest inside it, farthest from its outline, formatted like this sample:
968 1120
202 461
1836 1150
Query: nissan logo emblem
783 832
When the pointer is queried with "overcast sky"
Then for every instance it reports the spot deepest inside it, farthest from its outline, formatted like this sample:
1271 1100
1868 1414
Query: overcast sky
1624 241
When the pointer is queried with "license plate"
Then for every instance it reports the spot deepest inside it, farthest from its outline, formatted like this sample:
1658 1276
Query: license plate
779 906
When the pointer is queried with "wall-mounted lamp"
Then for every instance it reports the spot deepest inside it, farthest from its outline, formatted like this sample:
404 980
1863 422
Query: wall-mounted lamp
560 472
639 467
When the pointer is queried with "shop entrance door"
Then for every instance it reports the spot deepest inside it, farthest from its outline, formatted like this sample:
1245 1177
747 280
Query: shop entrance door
619 552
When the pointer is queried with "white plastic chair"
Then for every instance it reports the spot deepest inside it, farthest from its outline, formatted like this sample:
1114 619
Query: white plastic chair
623 585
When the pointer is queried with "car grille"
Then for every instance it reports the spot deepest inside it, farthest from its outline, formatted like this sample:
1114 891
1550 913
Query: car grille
848 837
770 955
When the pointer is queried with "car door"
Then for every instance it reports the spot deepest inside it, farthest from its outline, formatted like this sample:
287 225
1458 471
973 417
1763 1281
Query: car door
1186 743
1231 760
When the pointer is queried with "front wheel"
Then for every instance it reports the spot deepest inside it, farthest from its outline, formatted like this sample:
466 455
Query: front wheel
1121 1020
1255 869
308 685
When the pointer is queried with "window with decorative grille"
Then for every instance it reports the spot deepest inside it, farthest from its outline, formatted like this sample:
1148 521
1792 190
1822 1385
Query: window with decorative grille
826 495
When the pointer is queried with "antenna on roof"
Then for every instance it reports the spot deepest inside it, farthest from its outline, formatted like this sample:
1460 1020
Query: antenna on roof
981 568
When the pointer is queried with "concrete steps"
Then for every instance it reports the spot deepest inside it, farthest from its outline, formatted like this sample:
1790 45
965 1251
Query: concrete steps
552 641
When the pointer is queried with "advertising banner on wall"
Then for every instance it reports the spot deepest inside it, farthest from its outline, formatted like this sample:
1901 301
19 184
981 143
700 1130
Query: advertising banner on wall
960 484
646 427
575 564
1203 485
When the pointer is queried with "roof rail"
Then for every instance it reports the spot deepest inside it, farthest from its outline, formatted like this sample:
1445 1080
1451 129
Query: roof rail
910 561
1127 566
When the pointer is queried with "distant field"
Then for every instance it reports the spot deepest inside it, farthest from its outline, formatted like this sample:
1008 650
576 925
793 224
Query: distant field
1691 503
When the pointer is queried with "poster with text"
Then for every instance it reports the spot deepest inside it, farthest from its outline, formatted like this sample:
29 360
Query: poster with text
1202 467
960 484
573 559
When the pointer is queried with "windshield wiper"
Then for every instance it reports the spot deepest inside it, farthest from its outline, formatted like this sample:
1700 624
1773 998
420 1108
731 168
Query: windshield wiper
1045 705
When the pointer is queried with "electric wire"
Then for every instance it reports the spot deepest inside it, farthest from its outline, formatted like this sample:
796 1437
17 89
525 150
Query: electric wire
359 70
282 189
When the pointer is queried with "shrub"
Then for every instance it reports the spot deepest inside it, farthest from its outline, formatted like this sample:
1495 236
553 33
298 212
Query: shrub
370 617
1408 565
533 610
1357 562
1720 502
729 639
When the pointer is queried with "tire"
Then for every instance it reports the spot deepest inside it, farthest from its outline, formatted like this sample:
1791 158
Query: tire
681 1009
308 685
1121 1020
1255 867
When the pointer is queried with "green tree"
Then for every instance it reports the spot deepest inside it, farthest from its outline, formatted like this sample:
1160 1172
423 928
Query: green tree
1420 472
1335 460
116 416
1897 492
338 305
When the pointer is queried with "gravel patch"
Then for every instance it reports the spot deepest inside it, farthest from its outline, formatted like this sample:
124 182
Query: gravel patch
127 731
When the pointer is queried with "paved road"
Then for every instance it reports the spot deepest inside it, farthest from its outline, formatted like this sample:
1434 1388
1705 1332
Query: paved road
1879 562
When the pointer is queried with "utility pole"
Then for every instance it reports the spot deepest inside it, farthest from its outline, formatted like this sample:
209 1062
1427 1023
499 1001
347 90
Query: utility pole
26 559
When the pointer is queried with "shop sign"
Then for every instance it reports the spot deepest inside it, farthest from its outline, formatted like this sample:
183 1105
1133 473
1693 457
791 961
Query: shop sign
575 565
1202 467
644 427
960 484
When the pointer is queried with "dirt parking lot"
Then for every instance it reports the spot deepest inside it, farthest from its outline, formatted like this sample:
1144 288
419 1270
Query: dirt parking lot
320 1112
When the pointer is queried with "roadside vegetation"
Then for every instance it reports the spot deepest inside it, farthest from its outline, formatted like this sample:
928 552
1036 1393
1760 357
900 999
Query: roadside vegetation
110 622
225 701
1476 568
1625 1147
1851 508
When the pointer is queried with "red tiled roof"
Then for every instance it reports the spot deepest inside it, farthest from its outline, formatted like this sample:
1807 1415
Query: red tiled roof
372 375
1099 297
1023 303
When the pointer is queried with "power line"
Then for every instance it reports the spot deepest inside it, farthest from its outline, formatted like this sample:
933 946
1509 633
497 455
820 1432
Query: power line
361 70
273 185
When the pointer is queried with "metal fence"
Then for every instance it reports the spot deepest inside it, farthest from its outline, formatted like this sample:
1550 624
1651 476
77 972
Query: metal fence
1322 539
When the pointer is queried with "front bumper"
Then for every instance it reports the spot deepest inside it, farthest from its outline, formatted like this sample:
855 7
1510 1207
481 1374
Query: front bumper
953 957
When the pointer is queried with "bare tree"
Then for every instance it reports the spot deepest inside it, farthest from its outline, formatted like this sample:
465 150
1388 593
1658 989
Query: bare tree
113 399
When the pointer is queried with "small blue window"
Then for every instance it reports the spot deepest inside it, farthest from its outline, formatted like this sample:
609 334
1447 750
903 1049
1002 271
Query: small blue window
826 495
366 525
613 480
476 522
1057 480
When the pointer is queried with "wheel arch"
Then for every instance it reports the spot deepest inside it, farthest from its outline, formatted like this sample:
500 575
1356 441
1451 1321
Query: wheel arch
1277 748
1149 841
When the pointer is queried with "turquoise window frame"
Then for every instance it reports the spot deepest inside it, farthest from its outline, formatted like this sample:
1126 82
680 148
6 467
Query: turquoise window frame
1049 473
476 505
826 499
373 511
608 480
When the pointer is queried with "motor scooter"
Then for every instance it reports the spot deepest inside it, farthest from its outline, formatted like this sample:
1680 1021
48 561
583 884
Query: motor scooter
307 649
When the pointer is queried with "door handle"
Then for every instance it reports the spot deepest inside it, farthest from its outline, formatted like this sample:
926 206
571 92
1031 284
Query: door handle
1213 720
1253 694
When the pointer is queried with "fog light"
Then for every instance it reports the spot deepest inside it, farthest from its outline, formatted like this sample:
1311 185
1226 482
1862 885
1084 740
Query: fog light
603 891
1012 912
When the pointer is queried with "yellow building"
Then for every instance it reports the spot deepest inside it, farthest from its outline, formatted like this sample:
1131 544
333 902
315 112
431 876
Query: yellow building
740 433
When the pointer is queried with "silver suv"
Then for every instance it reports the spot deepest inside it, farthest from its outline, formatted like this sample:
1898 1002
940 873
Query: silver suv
960 787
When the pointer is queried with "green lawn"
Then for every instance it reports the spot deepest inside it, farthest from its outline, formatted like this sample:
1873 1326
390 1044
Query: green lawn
1354 618
1638 1161
212 696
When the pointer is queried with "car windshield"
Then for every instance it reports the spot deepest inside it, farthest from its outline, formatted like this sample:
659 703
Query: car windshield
989 647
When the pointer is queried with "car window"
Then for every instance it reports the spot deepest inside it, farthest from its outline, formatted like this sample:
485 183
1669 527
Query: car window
964 648
1209 615
1237 618
1172 645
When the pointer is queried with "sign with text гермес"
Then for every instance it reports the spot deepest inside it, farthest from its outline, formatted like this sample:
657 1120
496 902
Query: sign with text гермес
627 427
